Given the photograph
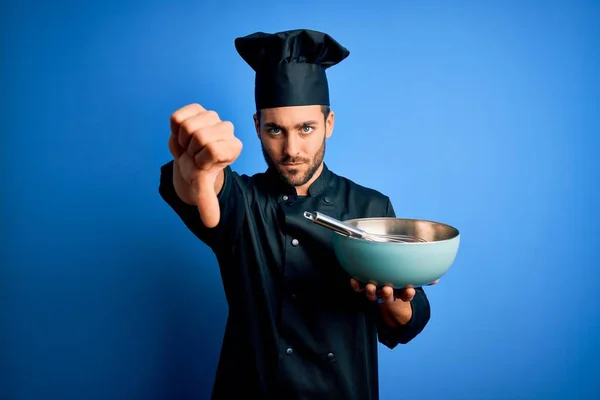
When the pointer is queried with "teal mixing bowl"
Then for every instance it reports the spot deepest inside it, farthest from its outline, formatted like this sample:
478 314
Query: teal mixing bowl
400 265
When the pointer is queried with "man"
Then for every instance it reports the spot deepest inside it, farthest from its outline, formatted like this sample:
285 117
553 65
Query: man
298 326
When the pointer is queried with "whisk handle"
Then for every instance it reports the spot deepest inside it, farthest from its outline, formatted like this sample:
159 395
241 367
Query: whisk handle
334 224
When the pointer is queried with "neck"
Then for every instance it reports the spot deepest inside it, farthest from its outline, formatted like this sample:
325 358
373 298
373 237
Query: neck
303 189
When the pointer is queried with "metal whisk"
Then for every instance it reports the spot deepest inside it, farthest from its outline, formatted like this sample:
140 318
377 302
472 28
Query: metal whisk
355 232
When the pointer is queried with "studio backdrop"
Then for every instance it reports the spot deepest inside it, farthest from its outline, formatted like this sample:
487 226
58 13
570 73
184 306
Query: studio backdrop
483 115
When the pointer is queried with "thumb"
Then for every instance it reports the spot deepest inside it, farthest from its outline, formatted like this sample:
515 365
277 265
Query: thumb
207 201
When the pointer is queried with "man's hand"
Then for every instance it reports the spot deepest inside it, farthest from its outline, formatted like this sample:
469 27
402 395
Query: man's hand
393 303
202 146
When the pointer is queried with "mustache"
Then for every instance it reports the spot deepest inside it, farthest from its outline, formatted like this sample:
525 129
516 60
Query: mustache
292 160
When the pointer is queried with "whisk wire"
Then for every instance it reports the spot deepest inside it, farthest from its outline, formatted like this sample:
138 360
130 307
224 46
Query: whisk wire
355 232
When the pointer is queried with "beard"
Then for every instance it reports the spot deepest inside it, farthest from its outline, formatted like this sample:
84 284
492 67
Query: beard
295 177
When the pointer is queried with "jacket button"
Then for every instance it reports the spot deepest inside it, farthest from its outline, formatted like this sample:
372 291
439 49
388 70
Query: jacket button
327 200
295 242
289 351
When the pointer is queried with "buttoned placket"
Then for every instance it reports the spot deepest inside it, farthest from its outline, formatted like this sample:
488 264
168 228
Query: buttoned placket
289 298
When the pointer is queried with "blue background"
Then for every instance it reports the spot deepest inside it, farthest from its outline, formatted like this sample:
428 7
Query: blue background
484 115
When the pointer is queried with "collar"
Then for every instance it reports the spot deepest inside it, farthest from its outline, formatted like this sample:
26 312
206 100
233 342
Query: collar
324 181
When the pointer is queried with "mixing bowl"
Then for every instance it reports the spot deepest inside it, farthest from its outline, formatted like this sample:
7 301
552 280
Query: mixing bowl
401 265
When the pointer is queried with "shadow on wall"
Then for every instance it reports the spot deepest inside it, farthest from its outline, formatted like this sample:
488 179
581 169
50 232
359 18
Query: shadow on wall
193 310
137 313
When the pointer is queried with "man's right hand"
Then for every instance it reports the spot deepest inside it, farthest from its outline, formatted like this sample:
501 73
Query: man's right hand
202 146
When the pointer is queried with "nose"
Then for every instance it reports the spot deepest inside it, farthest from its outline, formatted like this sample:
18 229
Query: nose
291 146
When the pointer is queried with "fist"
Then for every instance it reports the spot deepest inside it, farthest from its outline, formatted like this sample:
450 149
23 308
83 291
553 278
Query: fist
202 146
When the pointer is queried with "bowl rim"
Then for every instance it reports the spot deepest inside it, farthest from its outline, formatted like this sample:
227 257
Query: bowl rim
457 236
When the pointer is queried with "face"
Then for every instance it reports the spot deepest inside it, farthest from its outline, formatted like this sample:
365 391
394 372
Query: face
293 141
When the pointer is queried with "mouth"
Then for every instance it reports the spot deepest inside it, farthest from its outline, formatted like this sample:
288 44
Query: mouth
291 164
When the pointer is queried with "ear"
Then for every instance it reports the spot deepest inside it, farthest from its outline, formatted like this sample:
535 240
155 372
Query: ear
329 124
256 125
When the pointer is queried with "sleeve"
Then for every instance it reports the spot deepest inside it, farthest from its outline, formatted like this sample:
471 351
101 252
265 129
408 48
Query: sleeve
421 313
391 337
231 203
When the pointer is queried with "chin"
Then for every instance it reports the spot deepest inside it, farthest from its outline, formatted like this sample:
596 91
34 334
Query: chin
295 177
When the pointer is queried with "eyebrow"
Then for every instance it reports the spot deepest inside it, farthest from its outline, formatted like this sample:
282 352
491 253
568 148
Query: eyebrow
298 126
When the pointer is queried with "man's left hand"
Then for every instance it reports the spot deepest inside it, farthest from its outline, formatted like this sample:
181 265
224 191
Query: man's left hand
387 296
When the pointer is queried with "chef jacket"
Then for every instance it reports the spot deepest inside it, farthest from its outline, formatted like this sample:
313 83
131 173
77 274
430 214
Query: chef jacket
295 329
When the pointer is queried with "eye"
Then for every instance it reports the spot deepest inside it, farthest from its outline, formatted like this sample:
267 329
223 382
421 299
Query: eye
274 131
307 129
